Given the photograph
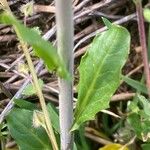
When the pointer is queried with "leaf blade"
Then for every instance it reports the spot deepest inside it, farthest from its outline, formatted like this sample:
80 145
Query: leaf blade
111 47
42 48
53 113
21 128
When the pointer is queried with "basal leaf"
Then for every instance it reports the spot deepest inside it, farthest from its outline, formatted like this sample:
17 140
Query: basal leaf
26 136
100 71
42 48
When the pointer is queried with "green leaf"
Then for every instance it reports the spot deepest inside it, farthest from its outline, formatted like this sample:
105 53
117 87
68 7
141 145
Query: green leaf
107 22
139 117
146 146
25 104
135 84
146 104
80 139
53 113
74 146
133 105
100 71
42 48
21 128
146 13
135 121
30 89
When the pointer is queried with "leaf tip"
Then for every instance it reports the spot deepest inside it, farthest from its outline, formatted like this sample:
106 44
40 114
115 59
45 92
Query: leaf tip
74 127
107 22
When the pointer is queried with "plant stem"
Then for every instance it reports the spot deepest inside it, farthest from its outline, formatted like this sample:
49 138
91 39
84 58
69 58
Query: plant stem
142 36
48 123
149 42
2 144
40 95
64 19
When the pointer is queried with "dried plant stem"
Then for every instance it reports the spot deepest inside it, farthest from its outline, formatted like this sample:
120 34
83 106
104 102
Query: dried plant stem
41 97
143 42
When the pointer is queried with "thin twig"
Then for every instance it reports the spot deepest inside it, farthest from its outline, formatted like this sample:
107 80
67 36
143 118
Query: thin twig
110 113
80 5
94 7
11 103
122 96
5 91
18 94
135 70
97 139
129 143
120 21
142 36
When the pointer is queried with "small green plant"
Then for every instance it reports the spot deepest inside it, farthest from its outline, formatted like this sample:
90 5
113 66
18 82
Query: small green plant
98 79
139 118
100 75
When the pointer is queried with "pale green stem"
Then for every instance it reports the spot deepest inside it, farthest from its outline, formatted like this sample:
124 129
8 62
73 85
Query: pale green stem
41 97
2 144
48 123
64 22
